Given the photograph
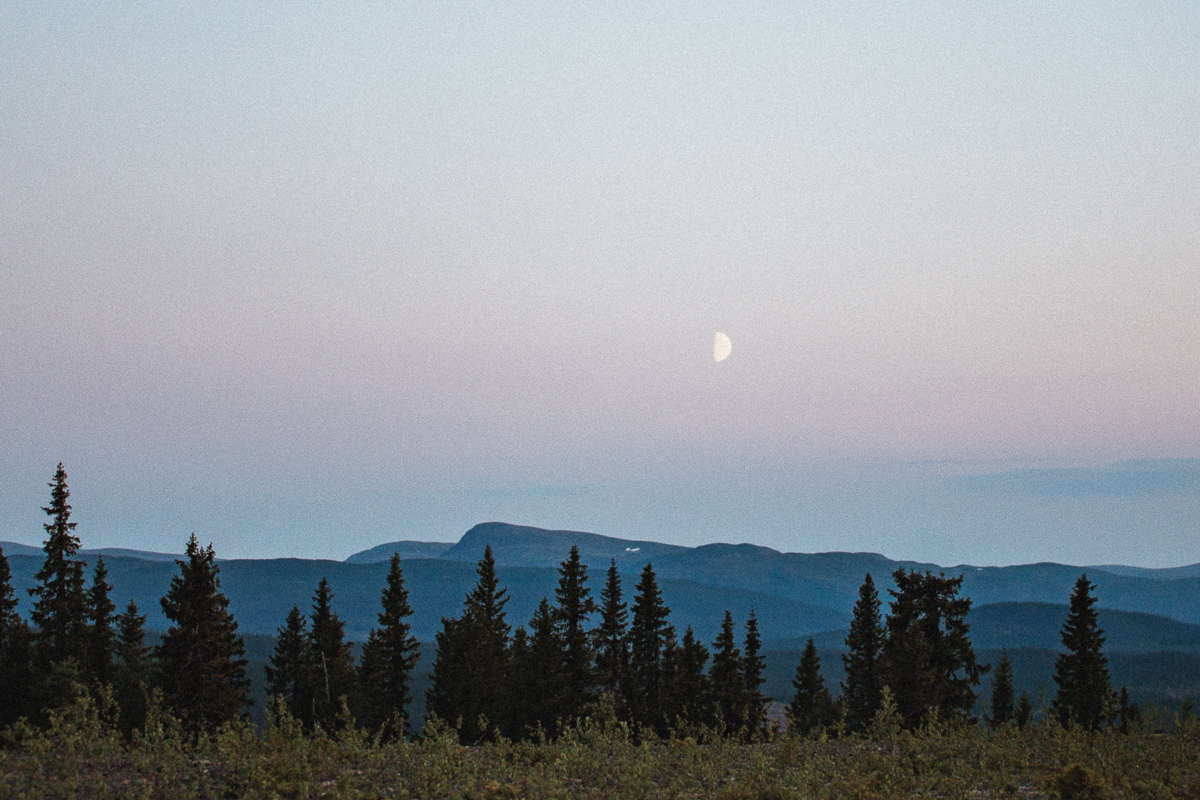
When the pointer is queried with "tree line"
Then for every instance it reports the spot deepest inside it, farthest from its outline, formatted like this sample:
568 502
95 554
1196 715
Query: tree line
912 666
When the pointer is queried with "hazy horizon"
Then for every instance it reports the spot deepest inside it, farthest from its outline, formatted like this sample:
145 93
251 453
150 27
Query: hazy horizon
306 280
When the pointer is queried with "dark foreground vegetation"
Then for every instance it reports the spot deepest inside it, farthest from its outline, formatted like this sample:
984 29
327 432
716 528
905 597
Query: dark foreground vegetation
82 754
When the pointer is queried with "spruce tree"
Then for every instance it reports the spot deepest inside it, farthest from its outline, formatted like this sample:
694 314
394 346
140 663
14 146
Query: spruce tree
727 678
334 680
16 674
1082 672
689 695
1023 713
548 698
610 642
201 660
132 674
1002 692
290 670
100 635
863 687
648 632
471 664
520 715
753 666
389 657
574 606
811 707
60 603
928 658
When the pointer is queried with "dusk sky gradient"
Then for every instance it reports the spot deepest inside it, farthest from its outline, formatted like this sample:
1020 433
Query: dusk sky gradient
308 278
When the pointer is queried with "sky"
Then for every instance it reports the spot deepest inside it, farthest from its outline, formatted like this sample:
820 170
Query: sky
307 278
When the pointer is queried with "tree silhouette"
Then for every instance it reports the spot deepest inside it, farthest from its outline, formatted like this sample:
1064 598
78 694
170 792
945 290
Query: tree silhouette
727 677
389 657
1002 709
334 679
290 670
811 707
60 605
574 605
863 687
1081 672
132 674
100 635
202 664
610 642
648 633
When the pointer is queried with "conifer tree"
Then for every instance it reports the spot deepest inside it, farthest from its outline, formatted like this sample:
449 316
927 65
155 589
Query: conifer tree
60 603
611 644
863 687
100 635
334 680
928 657
520 715
389 657
201 660
132 674
753 667
16 675
1128 713
648 633
727 678
1082 672
471 664
290 670
574 605
1023 714
547 671
811 707
689 695
1002 692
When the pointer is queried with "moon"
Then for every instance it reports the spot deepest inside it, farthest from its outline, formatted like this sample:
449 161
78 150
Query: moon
722 347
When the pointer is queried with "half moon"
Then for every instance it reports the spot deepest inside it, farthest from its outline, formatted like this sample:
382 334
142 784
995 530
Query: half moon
722 347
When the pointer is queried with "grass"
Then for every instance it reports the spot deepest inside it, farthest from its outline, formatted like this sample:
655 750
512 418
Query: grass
81 755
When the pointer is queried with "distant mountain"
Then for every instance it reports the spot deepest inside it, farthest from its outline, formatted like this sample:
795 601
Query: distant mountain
1163 574
521 546
15 549
407 551
1038 625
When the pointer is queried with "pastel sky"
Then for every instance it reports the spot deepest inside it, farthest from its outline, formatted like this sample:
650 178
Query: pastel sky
305 278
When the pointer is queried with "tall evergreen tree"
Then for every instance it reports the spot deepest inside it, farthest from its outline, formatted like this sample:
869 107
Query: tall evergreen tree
547 682
574 606
334 678
863 687
928 657
290 670
811 707
1002 708
689 697
100 636
471 664
753 667
520 682
60 603
132 675
389 657
202 664
648 633
1081 673
610 642
16 674
727 677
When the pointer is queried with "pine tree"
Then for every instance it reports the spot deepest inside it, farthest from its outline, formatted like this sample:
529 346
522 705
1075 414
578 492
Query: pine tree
1002 692
389 657
753 667
334 680
290 670
862 690
727 678
1082 672
100 635
520 716
647 637
60 606
202 664
131 677
547 671
610 642
928 658
811 707
574 605
471 664
16 674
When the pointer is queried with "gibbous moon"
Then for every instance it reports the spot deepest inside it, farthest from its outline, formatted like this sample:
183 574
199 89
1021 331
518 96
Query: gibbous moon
722 347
